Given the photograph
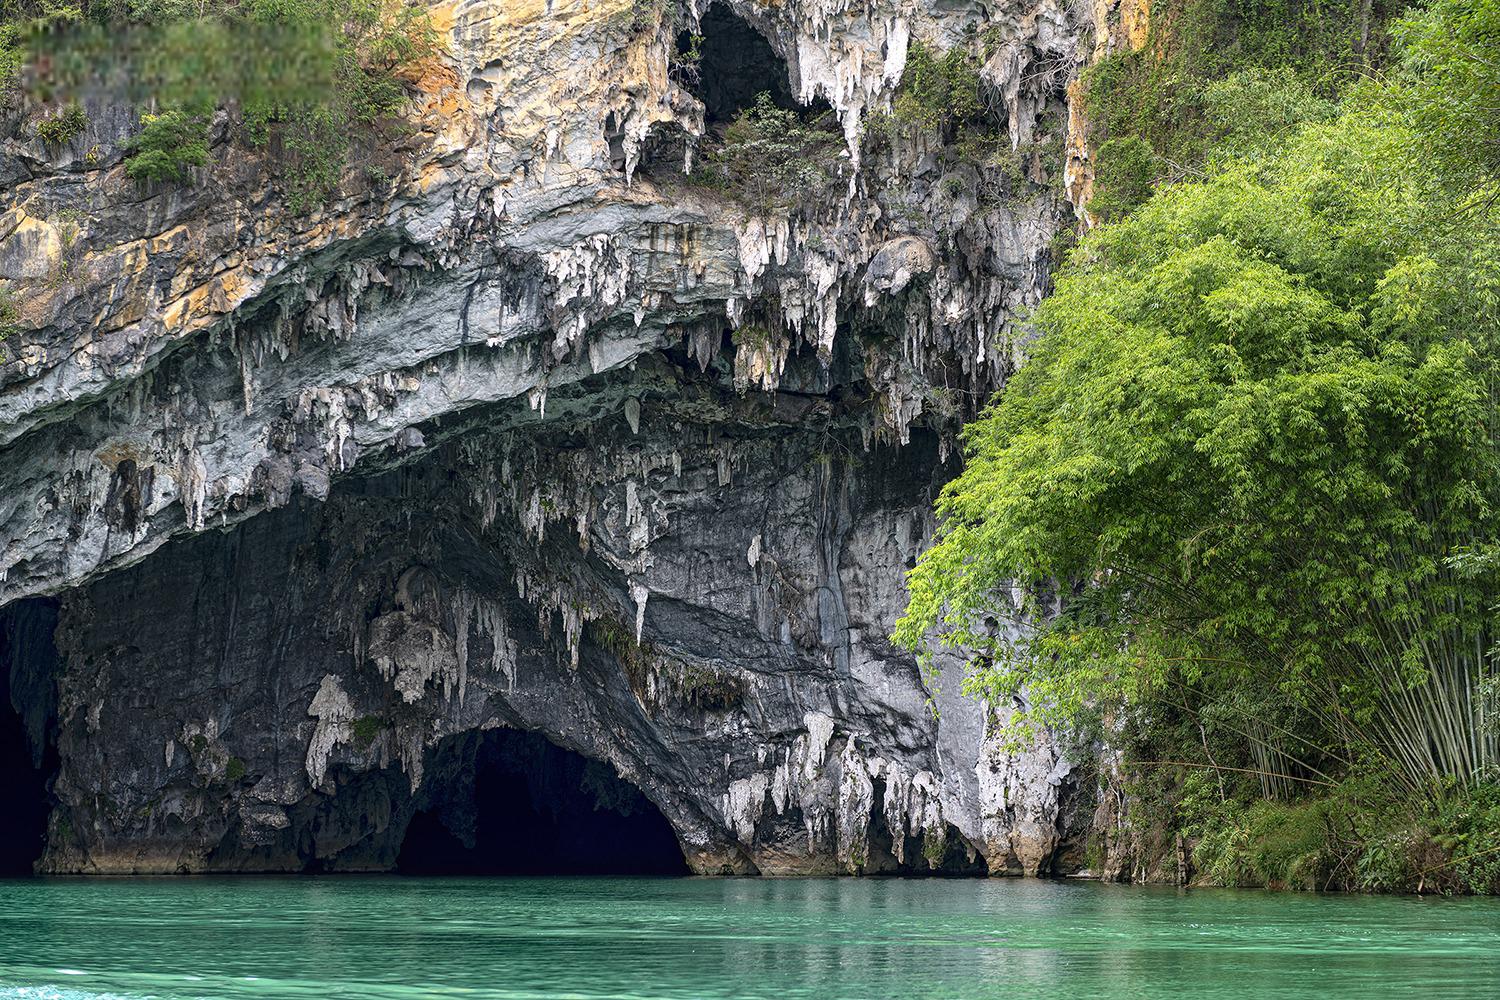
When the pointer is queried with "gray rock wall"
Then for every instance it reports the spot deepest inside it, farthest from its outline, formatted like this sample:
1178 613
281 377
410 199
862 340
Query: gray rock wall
480 446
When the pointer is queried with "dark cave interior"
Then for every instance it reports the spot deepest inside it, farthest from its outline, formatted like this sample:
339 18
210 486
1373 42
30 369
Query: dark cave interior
735 64
28 658
514 803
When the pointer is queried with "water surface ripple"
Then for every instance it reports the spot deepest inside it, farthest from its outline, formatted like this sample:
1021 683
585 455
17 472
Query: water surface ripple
778 939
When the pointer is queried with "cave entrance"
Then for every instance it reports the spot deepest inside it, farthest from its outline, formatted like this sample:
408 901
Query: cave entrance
735 64
28 757
514 803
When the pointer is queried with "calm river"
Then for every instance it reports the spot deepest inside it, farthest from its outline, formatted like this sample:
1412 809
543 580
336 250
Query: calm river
393 937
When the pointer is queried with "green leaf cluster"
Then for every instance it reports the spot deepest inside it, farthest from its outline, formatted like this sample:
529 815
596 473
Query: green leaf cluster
63 127
1210 68
1124 177
1452 79
10 319
939 92
166 146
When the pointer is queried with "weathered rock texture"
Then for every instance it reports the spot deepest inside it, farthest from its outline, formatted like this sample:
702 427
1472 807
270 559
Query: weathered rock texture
1118 26
526 429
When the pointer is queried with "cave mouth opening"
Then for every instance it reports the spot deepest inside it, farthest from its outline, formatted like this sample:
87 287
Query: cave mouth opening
28 754
735 63
514 803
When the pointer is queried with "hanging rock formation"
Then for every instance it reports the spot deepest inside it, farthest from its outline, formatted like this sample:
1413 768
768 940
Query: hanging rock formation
527 428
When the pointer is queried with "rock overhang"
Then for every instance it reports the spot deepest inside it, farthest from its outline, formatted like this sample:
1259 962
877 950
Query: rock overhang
522 274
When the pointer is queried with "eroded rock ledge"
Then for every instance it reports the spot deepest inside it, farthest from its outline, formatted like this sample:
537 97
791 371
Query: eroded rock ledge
492 444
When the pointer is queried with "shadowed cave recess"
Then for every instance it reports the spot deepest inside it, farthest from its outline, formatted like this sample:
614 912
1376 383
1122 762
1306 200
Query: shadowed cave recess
735 65
356 684
497 802
726 64
28 756
518 804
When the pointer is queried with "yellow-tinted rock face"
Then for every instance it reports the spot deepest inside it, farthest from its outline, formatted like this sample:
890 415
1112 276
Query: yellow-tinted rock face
1119 25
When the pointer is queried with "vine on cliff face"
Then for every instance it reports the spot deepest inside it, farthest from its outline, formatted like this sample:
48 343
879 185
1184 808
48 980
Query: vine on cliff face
10 319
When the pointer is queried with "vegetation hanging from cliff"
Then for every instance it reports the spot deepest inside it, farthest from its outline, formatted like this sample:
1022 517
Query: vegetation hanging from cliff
940 94
1258 442
302 78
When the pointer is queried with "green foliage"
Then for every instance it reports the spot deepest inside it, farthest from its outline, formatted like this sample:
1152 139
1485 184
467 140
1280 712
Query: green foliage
774 159
1265 844
63 127
1329 842
307 77
941 99
1254 111
1261 417
1356 835
10 320
166 146
235 769
941 103
317 146
710 690
754 335
1467 829
1184 86
1453 71
1386 864
939 93
636 659
1125 174
68 225
656 677
646 13
365 729
23 20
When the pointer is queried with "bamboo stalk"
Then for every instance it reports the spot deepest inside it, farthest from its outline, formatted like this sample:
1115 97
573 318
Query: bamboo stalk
1225 767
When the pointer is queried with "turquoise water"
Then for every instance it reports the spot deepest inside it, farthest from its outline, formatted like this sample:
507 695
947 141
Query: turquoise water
742 938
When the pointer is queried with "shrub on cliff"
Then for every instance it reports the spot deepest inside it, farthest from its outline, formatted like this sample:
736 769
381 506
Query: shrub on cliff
166 146
1258 426
63 127
941 100
774 159
939 92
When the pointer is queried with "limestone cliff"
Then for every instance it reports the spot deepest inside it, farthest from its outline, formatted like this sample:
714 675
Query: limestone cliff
524 428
